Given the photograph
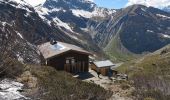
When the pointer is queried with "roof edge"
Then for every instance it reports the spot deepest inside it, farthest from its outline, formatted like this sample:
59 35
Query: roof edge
88 53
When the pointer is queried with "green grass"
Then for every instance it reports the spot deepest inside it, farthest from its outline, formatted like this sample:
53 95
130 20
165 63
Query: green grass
115 53
154 64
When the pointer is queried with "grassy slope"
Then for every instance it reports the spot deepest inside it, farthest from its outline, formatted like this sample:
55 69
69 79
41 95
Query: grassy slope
52 84
150 75
56 85
113 50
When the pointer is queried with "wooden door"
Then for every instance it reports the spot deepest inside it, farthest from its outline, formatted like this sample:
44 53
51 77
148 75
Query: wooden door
70 65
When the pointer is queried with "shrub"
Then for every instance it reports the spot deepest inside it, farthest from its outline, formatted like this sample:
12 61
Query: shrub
11 68
59 85
149 98
125 86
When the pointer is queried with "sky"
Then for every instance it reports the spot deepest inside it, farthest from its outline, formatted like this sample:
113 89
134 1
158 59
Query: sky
116 4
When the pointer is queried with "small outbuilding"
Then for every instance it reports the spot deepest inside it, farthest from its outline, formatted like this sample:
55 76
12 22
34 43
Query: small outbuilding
102 67
64 56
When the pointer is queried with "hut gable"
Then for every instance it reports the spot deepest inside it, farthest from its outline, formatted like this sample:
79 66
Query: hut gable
49 50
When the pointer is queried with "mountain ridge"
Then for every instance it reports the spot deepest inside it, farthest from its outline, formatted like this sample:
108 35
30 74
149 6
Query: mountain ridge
145 27
116 32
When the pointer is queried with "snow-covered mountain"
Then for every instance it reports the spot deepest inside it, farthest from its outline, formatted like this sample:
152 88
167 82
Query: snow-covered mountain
83 23
136 28
108 27
72 16
32 3
68 12
21 29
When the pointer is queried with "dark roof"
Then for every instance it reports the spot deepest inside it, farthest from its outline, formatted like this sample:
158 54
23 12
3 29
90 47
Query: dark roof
48 50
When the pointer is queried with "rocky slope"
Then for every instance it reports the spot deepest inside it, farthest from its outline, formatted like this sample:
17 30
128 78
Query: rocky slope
73 16
22 28
120 33
75 13
12 41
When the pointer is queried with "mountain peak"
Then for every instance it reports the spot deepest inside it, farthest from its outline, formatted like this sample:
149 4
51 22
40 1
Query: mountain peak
30 2
167 9
70 4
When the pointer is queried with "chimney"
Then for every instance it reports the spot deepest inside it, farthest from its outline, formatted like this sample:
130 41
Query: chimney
53 41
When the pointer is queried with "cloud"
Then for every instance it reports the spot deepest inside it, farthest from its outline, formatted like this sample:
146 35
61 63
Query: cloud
154 3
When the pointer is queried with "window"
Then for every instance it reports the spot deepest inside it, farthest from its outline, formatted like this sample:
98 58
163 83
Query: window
67 61
70 60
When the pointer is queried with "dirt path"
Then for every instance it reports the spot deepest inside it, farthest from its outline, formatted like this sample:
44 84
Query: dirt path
108 84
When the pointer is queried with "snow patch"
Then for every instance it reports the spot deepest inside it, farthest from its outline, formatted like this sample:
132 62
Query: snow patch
166 36
10 90
150 31
102 12
20 58
58 47
62 24
3 23
19 35
85 29
27 14
18 1
20 4
163 16
82 13
31 2
43 11
56 9
143 9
